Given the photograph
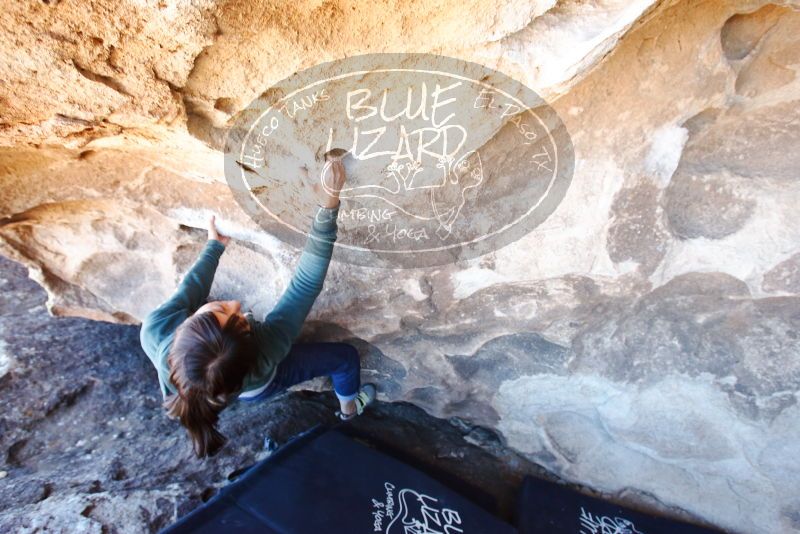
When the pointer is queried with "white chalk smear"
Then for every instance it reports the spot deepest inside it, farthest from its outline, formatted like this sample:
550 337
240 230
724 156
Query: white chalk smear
414 289
199 219
665 153
468 281
5 359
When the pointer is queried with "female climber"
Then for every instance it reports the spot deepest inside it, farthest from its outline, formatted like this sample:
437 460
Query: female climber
208 354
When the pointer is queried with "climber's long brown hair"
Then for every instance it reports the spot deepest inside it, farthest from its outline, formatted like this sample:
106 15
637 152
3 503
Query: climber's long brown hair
208 364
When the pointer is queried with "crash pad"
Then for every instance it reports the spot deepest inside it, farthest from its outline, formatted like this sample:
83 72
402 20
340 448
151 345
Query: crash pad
553 508
326 481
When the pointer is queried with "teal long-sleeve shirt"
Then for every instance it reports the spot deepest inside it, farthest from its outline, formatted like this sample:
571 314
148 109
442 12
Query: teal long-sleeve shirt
273 336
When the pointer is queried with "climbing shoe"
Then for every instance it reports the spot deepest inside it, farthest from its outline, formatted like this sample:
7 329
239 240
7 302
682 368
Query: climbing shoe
364 398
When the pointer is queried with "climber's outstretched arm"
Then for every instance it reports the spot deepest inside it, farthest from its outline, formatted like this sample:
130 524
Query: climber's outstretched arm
286 320
283 324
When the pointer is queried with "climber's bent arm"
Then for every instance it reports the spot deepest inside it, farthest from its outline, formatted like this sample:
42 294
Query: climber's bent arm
191 293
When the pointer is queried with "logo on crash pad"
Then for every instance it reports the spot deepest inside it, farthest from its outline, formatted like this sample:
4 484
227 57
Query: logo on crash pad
446 160
407 511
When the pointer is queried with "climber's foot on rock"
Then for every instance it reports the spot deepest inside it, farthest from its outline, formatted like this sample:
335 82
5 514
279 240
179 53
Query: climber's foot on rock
365 397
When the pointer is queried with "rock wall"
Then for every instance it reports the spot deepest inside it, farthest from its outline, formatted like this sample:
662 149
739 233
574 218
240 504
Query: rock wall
642 341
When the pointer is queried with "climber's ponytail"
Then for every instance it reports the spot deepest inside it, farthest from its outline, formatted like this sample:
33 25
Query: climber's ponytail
199 416
208 364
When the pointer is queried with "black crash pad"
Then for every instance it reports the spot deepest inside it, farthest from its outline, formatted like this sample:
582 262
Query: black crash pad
327 482
553 508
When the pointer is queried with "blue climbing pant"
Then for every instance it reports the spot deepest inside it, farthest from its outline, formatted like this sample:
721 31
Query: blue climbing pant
305 361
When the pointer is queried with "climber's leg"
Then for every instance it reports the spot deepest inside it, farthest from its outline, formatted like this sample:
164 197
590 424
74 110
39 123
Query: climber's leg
305 361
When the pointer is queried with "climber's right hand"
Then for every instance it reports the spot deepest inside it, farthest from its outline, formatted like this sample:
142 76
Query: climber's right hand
333 180
214 234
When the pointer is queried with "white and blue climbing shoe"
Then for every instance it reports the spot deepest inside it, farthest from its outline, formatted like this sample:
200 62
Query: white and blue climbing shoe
365 397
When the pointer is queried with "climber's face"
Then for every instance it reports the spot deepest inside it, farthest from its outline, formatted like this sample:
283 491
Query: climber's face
223 309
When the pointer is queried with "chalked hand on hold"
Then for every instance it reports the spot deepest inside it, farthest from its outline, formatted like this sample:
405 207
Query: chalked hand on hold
335 154
333 177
